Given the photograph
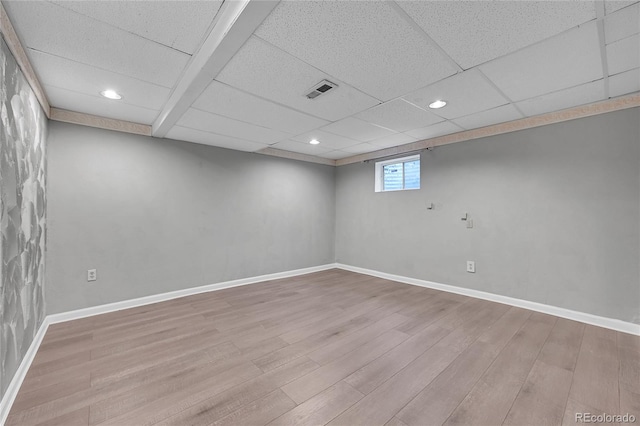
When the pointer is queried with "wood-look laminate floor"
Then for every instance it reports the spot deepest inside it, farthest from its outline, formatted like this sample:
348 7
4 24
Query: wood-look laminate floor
332 347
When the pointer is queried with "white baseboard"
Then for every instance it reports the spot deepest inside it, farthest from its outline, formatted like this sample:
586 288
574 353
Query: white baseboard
613 324
21 373
141 301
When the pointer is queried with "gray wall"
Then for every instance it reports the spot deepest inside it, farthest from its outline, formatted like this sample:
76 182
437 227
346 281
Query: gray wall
555 209
23 131
156 215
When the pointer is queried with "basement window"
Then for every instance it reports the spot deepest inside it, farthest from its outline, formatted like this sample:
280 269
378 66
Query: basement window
398 174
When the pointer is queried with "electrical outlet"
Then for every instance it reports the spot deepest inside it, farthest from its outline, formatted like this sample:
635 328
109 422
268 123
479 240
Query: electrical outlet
471 266
92 275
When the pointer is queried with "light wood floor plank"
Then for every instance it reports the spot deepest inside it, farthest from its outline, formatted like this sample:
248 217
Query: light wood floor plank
332 347
322 408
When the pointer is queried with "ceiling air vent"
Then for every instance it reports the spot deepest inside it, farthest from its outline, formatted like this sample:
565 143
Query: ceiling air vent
320 89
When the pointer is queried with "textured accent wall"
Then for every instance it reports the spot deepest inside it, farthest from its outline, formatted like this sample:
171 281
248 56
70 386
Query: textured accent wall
23 130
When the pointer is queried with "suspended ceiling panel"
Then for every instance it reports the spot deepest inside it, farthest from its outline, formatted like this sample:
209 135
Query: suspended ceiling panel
566 98
611 6
302 147
622 24
357 129
392 140
267 71
206 138
97 105
205 121
78 77
486 118
567 60
435 130
363 43
180 25
466 93
474 32
230 102
59 31
624 55
399 115
626 82
329 140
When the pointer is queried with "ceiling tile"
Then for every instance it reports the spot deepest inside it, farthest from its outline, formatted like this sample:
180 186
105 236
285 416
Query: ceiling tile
364 43
200 120
335 155
230 102
623 55
303 148
361 148
357 129
474 32
267 71
465 93
501 114
77 77
212 139
623 83
326 139
59 31
439 129
566 60
622 24
181 25
97 105
393 140
399 115
611 6
562 99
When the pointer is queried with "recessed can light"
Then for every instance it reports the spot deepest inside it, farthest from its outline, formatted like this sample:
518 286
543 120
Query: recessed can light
437 104
110 94
314 141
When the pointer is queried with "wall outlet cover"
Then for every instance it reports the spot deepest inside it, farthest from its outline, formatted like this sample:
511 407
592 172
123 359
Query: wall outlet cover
92 275
471 266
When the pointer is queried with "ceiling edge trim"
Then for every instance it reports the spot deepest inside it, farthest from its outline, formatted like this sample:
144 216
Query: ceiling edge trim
603 107
99 122
13 42
296 156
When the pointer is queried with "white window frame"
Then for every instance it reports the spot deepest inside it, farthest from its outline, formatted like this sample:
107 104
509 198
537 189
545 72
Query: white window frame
379 176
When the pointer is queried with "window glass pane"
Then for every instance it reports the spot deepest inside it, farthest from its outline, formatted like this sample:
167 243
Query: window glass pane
412 174
392 177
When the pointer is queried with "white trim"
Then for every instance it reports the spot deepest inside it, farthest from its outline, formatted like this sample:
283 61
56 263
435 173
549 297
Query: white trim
610 323
379 173
12 391
141 301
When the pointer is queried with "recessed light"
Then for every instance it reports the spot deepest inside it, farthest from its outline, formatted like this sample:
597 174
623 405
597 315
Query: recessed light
314 141
110 94
437 104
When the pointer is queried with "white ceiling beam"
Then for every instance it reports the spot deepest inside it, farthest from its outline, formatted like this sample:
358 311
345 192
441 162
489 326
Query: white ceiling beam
233 25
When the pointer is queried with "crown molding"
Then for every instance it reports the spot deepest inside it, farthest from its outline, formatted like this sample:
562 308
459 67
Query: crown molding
610 105
13 42
99 122
297 156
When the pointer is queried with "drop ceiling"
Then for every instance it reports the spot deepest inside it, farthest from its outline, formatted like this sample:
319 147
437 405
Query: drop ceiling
492 61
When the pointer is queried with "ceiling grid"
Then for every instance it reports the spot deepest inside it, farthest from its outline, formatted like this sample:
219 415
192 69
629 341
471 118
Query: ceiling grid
234 74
